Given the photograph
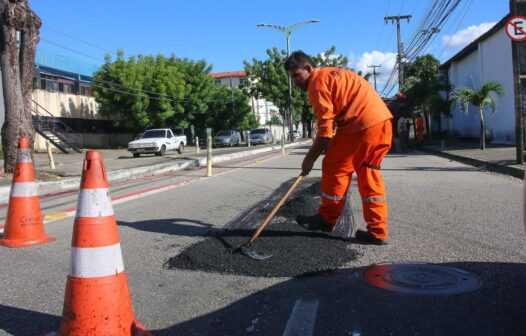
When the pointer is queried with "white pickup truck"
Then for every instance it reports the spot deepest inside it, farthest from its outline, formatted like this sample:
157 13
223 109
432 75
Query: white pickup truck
157 141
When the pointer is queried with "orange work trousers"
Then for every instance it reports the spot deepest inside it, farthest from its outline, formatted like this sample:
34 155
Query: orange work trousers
361 152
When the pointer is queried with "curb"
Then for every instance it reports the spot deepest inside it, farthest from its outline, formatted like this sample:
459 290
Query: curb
490 166
53 187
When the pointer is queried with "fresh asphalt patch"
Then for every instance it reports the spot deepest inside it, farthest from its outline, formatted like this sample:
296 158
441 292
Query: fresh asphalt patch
295 251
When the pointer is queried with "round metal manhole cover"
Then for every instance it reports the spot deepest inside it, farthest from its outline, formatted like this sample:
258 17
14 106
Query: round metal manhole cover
421 279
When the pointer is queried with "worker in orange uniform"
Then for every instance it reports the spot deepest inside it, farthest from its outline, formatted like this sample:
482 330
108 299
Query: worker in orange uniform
362 139
420 128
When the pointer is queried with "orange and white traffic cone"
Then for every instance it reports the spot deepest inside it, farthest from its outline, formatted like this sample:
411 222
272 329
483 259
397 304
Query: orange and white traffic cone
24 225
97 299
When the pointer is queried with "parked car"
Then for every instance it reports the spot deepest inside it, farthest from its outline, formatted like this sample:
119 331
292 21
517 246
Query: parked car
157 141
296 134
226 138
260 136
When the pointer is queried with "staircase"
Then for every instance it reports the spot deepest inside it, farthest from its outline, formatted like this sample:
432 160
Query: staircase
54 130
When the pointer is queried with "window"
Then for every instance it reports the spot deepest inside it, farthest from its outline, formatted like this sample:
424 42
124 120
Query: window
85 90
218 82
66 87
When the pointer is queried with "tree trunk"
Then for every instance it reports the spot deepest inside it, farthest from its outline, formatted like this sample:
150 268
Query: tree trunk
30 38
482 130
17 74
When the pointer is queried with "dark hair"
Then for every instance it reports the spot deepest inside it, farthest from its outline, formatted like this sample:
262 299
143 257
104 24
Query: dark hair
297 60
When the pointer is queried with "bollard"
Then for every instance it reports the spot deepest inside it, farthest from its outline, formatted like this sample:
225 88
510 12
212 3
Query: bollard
283 145
442 145
197 145
248 140
209 156
274 138
50 155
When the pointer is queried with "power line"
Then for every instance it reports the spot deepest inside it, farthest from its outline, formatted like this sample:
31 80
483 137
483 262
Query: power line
72 50
157 98
456 29
383 26
79 40
434 17
124 87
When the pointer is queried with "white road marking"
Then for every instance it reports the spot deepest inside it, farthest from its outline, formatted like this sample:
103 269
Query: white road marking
302 319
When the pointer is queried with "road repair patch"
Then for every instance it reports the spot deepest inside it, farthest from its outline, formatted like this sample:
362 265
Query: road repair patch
295 251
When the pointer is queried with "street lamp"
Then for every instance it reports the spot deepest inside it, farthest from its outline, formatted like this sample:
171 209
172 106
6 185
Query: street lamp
287 31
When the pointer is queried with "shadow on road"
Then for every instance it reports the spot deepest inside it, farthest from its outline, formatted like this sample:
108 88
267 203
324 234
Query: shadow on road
21 322
345 305
174 226
348 306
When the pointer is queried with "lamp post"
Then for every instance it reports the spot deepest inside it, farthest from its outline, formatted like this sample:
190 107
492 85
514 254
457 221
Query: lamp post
287 31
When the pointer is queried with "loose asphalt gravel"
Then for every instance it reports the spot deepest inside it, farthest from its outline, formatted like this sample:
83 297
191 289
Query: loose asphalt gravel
295 251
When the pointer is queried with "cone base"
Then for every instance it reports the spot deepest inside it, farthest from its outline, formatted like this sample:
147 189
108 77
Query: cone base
138 330
23 242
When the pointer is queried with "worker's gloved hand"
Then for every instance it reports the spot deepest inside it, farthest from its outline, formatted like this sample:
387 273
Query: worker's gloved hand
306 166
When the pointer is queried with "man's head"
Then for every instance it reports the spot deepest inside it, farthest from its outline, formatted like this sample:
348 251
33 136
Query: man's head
299 66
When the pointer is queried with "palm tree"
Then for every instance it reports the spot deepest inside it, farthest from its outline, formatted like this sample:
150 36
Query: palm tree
480 99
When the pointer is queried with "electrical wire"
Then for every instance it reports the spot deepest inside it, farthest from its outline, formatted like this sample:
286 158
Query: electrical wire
79 40
435 16
456 29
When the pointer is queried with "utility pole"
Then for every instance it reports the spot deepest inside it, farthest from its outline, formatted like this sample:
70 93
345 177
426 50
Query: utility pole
518 49
374 73
397 18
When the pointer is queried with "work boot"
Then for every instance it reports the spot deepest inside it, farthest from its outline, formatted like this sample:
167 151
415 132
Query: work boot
367 237
314 223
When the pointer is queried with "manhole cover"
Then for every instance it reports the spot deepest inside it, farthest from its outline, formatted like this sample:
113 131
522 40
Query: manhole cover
421 279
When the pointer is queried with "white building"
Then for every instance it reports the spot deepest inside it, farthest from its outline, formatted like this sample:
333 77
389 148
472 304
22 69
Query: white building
488 58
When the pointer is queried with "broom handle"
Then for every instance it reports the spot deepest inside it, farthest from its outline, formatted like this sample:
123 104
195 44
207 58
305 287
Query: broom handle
267 219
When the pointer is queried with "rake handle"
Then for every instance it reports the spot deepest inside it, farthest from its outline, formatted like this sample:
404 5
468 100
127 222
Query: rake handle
267 219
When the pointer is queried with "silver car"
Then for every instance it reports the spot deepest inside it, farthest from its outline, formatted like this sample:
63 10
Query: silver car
226 138
260 136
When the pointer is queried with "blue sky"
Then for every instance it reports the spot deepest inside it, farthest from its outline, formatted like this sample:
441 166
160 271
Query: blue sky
224 33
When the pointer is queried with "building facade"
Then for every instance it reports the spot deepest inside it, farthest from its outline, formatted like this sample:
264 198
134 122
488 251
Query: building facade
488 58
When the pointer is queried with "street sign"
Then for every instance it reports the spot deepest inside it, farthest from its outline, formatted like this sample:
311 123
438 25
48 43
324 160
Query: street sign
516 28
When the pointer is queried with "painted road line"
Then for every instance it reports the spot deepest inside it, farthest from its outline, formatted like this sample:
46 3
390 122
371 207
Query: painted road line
302 319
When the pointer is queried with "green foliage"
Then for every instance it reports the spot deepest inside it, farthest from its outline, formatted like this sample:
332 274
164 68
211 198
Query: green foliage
479 98
274 120
249 122
227 109
148 91
268 79
423 82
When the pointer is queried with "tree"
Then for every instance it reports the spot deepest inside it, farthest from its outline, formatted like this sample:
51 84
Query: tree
228 109
268 79
423 84
141 92
481 99
17 74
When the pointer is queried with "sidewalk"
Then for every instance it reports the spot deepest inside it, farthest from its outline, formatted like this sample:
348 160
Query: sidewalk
496 158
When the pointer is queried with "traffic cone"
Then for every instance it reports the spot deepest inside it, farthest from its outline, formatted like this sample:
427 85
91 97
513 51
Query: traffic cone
97 300
24 225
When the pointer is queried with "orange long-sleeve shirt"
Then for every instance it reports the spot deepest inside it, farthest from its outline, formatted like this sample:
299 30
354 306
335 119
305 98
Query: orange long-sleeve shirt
343 99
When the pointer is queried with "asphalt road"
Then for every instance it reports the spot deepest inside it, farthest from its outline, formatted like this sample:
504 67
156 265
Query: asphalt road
441 212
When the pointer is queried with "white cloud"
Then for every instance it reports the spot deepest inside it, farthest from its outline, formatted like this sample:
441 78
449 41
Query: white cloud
387 61
462 38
